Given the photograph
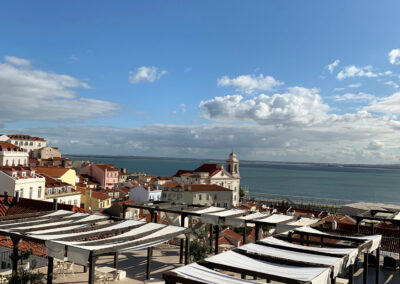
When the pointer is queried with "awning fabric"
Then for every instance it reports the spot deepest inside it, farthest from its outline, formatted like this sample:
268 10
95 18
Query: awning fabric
336 262
200 273
314 275
372 241
213 218
351 253
241 221
277 218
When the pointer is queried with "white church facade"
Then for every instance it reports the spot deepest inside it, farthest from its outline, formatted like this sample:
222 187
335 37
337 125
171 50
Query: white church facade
228 177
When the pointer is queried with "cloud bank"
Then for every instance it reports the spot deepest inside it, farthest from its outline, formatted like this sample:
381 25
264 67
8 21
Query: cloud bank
31 94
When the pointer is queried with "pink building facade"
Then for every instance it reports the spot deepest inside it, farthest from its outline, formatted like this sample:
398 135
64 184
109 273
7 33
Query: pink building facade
106 175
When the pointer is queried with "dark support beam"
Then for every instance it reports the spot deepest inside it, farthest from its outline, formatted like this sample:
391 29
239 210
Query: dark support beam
333 279
216 239
377 280
181 242
187 250
372 228
244 234
357 225
116 260
92 265
351 274
365 276
148 266
16 242
243 276
322 242
211 237
257 229
50 268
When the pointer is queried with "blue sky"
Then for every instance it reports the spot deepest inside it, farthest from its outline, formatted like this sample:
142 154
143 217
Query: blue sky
195 78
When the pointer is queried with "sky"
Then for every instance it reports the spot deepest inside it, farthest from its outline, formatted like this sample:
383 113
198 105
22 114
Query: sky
301 81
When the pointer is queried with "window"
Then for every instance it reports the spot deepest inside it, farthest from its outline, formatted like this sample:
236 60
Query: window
21 192
215 196
200 196
218 204
70 201
208 196
6 162
39 144
31 144
225 205
26 143
39 192
75 202
49 191
30 193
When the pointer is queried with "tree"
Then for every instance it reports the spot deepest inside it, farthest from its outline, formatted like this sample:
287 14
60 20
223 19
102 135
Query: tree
26 276
199 250
241 192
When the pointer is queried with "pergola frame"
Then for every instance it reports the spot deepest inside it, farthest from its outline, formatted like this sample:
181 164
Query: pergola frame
187 210
20 234
372 213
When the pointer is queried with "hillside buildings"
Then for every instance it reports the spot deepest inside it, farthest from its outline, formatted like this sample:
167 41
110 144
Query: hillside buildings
27 142
106 175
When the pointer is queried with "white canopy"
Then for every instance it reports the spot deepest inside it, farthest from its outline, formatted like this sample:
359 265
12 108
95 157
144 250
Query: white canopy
213 218
200 273
336 262
351 253
373 241
314 275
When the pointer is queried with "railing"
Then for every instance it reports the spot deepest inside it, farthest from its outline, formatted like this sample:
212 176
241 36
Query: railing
292 199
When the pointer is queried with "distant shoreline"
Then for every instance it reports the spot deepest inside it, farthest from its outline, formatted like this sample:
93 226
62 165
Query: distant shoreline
250 162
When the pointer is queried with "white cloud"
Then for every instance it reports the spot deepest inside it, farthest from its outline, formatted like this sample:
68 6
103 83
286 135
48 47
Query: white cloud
298 106
250 83
387 105
354 97
375 145
333 65
17 61
394 56
338 89
357 85
183 108
392 84
32 94
146 74
354 71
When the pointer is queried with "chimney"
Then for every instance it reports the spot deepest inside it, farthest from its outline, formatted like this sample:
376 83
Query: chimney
6 198
55 204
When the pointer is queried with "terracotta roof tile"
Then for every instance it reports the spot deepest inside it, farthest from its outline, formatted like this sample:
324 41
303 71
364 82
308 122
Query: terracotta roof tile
212 169
52 171
205 187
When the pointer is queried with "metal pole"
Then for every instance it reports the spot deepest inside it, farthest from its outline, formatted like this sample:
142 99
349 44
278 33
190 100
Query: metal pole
216 239
50 267
92 265
116 260
365 277
15 242
148 267
181 242
187 251
257 229
211 237
244 234
377 280
351 274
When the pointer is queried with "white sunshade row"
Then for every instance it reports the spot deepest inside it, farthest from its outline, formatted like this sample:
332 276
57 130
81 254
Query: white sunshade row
374 240
79 252
314 275
336 262
350 252
110 228
200 273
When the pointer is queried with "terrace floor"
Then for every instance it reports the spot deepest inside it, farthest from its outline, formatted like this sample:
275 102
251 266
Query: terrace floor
166 257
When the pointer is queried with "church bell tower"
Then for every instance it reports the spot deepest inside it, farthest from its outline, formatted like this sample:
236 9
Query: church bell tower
232 165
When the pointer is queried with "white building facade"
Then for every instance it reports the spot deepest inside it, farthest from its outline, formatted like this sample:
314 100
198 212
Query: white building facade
27 142
23 180
143 194
215 174
12 155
